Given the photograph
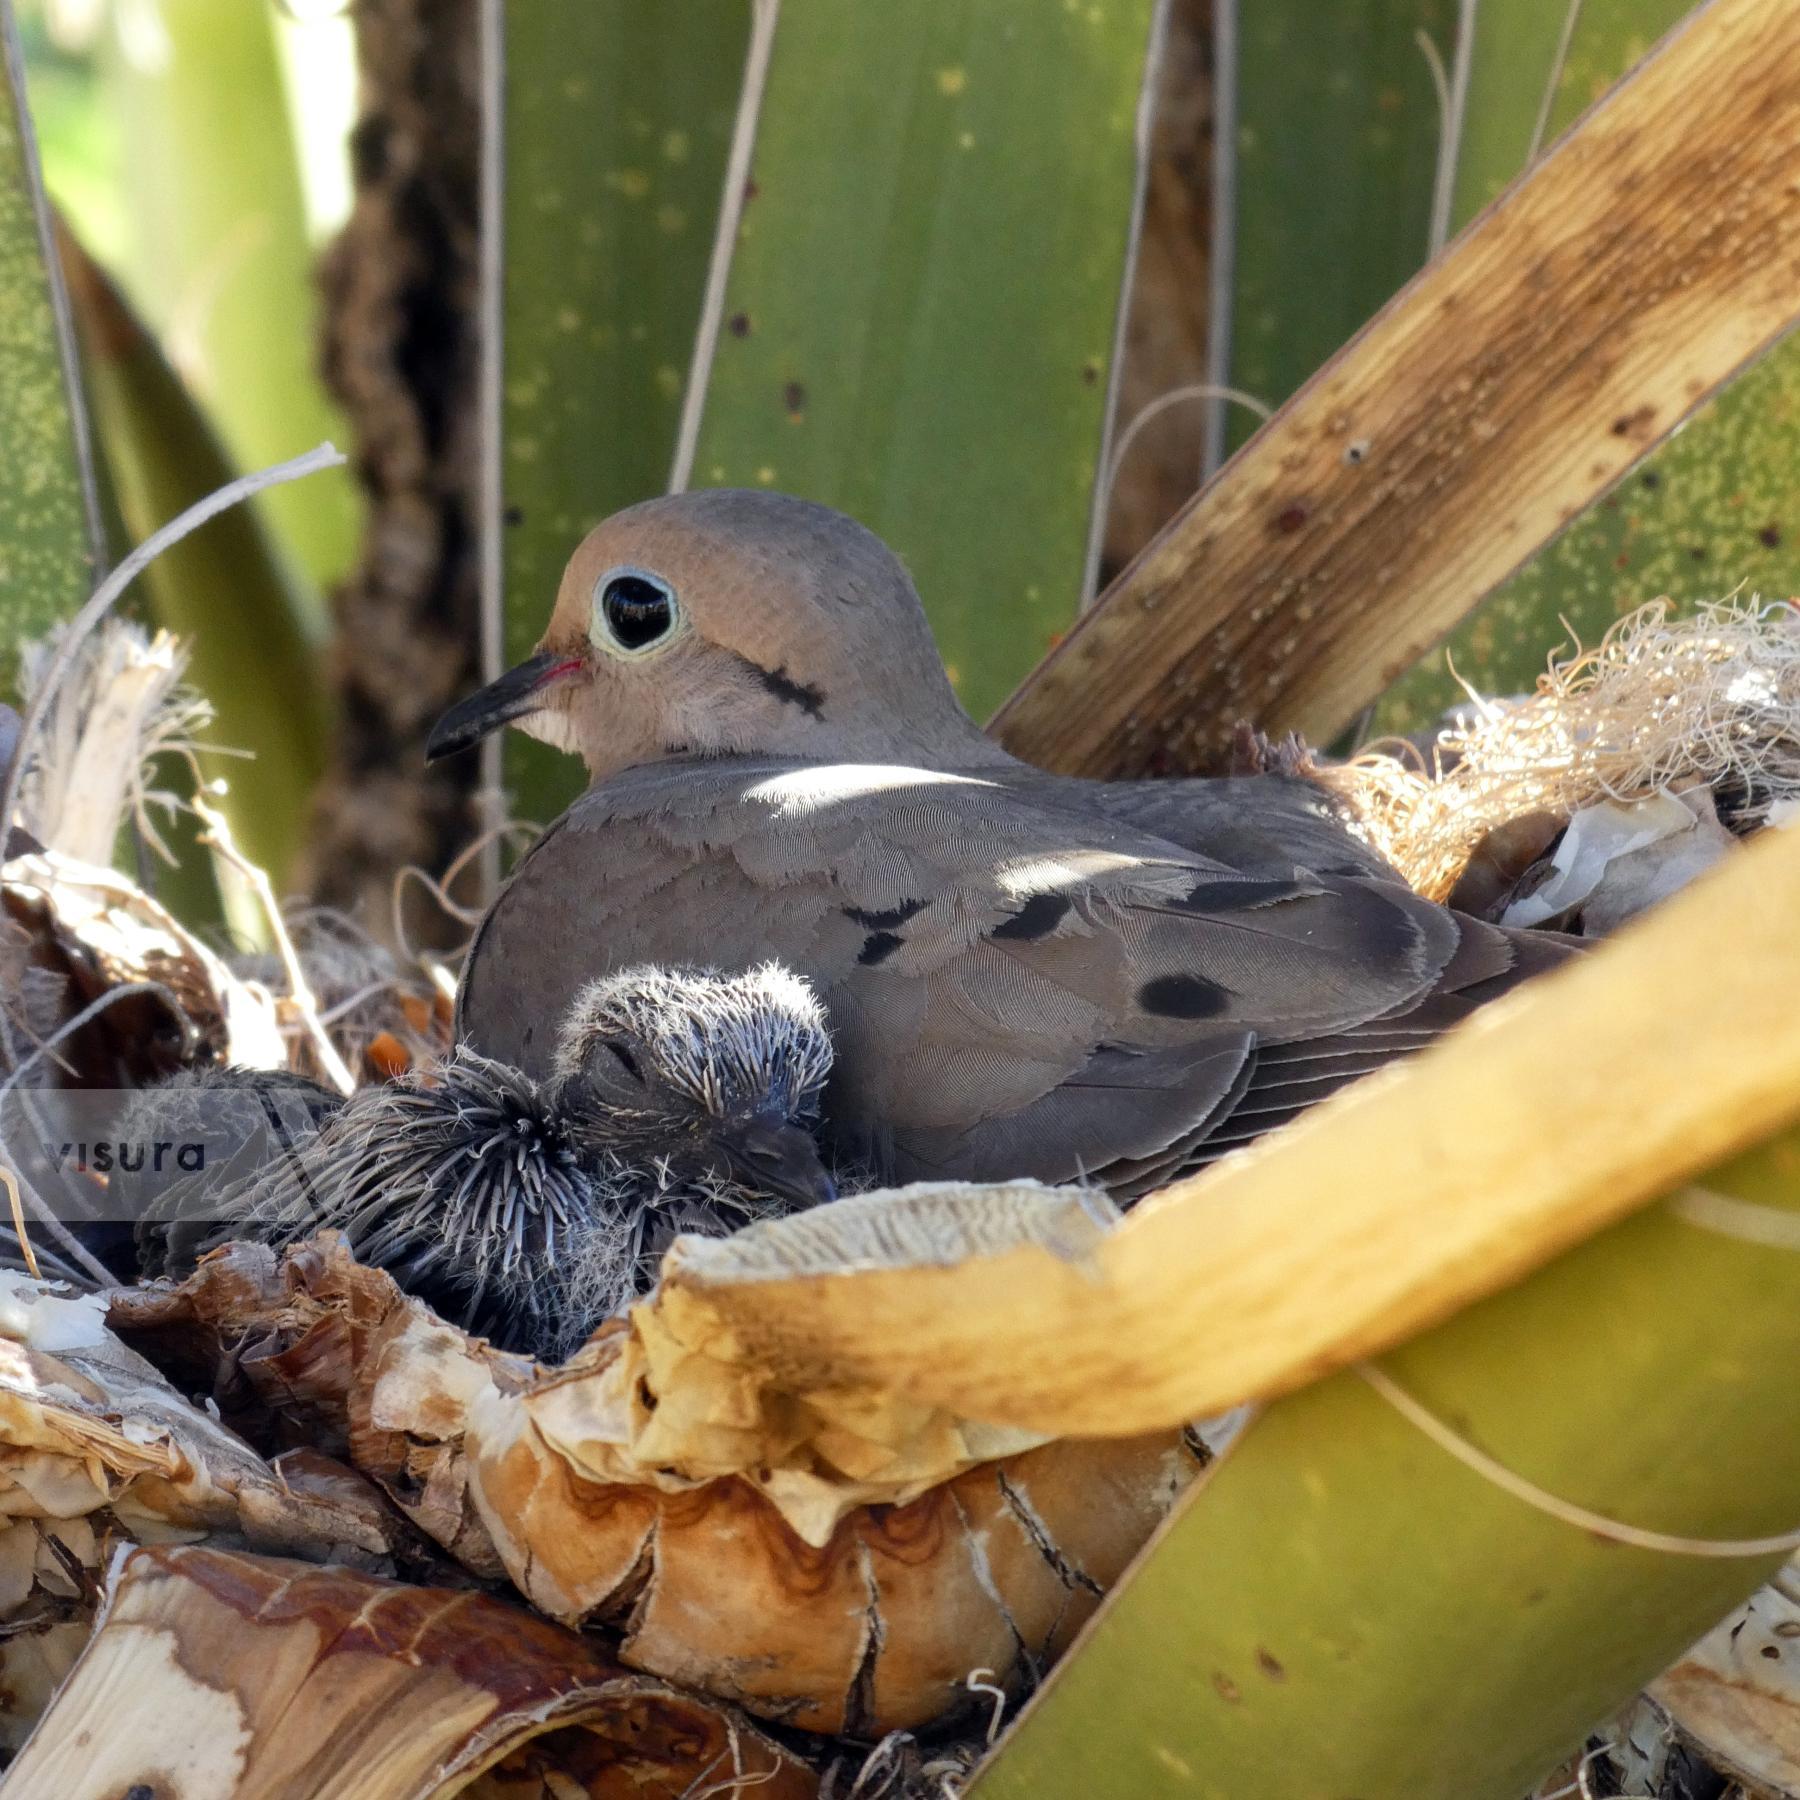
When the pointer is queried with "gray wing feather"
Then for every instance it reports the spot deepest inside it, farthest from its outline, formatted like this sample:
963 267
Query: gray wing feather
1016 985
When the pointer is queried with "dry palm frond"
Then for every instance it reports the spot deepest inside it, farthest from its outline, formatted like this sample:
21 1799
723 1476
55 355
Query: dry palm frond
101 1452
120 709
1731 1703
92 931
839 1559
75 926
1658 705
215 1672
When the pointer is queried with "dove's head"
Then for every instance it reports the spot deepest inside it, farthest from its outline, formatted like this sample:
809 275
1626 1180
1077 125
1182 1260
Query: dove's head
730 621
717 1078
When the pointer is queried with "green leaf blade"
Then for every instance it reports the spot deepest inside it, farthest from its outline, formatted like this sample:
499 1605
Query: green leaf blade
1331 179
617 121
48 518
920 318
1345 1608
218 257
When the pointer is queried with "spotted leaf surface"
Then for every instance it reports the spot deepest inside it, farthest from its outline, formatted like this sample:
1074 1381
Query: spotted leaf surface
616 121
924 294
1713 510
47 539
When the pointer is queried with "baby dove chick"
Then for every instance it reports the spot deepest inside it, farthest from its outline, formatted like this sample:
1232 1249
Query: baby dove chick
529 1211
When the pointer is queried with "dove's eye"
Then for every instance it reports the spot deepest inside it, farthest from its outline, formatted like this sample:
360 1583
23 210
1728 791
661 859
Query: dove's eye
634 613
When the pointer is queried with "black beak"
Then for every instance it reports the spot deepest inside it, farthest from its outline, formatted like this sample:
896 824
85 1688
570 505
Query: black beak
517 692
779 1160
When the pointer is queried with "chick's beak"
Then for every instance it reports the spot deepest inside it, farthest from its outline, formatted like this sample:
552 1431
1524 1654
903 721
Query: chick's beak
517 692
779 1160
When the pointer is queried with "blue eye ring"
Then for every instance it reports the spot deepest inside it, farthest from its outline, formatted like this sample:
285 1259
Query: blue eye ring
635 613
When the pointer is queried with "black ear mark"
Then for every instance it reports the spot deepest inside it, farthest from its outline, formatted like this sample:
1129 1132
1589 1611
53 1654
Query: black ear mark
625 1057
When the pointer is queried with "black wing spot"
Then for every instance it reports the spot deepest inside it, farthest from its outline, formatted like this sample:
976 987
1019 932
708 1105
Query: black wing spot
1238 896
878 946
1184 997
1387 929
1038 917
885 921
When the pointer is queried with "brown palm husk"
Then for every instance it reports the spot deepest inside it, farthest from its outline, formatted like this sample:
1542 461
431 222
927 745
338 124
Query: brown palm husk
220 1672
98 1452
837 1561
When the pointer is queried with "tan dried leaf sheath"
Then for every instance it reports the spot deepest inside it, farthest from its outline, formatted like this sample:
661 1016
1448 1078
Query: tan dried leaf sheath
837 1560
97 1450
1654 251
222 1676
101 931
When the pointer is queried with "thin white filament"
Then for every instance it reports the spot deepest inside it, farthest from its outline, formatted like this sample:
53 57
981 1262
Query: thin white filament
1555 1507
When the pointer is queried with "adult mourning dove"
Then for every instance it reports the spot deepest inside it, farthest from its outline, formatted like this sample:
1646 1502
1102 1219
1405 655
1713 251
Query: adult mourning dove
679 1101
1026 974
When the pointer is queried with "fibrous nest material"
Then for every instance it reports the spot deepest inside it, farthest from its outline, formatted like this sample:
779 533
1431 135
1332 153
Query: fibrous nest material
122 708
328 999
839 1559
1659 705
217 1673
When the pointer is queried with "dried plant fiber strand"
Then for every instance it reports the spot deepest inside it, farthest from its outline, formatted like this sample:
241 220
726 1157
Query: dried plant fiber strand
1659 704
110 591
121 706
49 679
1614 1531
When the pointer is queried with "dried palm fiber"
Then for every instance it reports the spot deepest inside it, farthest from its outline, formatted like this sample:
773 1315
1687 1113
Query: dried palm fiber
97 1450
105 989
218 1673
124 711
1658 704
384 1015
81 932
33 995
903 1766
113 994
78 937
119 710
74 927
840 1561
114 709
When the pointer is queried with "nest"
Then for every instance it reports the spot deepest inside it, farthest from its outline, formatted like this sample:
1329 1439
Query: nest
678 1563
838 1561
1659 706
667 1546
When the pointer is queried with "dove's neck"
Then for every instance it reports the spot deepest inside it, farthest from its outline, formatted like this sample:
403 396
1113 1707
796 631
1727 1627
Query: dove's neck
916 727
